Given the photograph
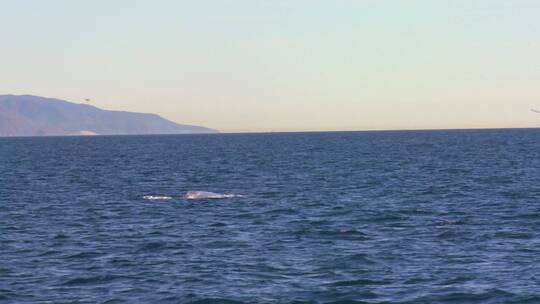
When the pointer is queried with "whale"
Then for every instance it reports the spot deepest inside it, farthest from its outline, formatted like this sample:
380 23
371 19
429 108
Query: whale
194 195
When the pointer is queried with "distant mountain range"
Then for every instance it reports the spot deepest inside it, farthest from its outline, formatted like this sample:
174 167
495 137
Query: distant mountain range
27 115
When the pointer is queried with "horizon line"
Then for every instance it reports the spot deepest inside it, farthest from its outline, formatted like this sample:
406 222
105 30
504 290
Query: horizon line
284 132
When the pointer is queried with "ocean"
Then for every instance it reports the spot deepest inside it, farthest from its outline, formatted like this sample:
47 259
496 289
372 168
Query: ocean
337 217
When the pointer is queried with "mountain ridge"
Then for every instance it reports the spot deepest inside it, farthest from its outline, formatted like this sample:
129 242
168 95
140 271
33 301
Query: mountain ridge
30 115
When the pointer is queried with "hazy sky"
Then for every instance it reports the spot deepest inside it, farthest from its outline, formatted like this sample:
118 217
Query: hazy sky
276 65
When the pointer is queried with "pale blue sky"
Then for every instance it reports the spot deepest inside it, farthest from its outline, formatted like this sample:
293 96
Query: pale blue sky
256 65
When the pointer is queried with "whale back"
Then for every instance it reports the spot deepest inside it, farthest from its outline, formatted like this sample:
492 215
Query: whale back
192 195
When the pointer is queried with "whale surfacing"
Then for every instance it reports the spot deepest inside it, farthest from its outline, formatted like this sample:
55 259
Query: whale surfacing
193 195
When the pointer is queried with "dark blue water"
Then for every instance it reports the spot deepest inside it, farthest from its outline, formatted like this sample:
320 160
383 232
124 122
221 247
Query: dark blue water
373 217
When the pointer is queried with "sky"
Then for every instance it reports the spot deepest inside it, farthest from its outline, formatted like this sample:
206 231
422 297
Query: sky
282 65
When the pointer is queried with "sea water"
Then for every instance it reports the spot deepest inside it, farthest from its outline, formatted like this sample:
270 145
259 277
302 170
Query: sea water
351 217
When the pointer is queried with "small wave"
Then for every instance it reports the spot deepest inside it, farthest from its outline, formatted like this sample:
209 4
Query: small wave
46 253
359 282
99 279
152 246
84 255
60 236
341 234
215 301
156 197
493 295
513 235
450 222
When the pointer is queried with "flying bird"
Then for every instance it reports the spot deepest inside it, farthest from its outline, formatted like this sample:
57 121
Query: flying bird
87 99
536 111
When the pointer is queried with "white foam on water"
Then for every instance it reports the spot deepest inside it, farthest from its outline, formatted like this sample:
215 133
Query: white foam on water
156 197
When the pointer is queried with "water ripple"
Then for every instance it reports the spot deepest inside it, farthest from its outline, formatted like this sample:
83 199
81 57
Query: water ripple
365 217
